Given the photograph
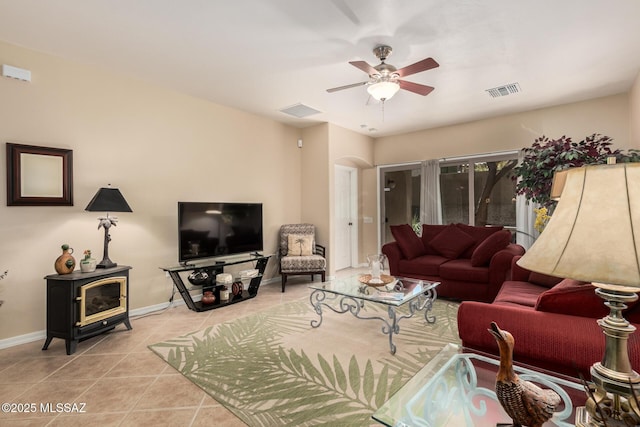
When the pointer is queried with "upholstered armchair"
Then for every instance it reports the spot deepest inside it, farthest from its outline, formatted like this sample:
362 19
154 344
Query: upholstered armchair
299 253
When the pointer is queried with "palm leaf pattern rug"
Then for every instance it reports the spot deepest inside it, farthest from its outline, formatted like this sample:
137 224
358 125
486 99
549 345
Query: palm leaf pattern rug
272 368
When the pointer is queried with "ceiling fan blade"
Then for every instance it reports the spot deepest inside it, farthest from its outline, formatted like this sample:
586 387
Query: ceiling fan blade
365 67
415 87
425 64
335 89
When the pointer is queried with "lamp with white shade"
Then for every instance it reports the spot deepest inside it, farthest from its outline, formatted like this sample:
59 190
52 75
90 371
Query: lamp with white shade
594 236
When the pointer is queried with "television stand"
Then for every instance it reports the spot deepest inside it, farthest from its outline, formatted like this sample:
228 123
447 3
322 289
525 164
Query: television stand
214 268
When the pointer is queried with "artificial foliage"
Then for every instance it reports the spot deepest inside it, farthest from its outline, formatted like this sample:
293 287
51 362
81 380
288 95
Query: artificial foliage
534 174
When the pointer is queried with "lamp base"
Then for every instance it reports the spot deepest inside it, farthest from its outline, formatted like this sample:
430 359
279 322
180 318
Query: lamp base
584 419
614 394
106 263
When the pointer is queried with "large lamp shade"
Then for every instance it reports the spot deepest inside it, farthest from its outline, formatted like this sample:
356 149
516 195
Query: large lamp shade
594 232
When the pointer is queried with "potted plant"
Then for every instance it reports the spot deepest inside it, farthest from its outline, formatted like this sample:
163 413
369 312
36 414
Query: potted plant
87 264
534 174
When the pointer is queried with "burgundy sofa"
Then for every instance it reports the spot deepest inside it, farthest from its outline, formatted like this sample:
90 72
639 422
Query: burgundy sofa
471 263
553 321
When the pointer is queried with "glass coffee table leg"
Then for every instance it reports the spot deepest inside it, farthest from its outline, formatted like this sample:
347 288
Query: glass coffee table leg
391 328
316 298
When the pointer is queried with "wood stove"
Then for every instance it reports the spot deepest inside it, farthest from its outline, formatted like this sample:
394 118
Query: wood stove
82 305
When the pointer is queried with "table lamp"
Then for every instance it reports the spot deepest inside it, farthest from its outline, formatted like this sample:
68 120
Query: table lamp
107 200
594 236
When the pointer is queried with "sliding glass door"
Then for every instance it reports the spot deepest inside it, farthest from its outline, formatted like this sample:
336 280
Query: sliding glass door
400 192
471 190
479 191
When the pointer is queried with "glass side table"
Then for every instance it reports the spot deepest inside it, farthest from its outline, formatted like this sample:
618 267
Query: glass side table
456 388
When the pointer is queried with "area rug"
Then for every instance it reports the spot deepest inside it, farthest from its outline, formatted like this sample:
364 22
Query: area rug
272 368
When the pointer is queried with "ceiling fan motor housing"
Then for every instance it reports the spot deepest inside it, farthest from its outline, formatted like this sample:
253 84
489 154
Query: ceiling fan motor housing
382 52
386 71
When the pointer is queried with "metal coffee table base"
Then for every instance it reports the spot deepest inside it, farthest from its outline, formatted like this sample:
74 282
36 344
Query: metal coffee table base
346 303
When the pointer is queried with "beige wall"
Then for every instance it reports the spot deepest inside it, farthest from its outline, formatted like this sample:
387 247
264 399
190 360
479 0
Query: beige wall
634 114
158 147
325 146
608 116
315 181
352 149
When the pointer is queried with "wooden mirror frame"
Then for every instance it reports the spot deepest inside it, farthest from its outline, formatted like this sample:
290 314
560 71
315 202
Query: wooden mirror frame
56 176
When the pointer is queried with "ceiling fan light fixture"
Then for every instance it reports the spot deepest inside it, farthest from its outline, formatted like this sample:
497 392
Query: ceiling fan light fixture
384 90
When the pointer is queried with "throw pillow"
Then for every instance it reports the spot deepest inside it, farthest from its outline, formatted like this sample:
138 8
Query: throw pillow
574 298
429 231
410 244
451 242
489 247
299 245
479 234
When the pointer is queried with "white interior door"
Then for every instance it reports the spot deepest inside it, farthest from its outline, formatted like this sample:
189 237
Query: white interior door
346 214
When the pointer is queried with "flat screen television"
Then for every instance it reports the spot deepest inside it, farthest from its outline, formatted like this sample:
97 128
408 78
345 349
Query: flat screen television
218 229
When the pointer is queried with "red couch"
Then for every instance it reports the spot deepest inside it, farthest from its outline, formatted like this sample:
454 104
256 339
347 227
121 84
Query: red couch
553 322
471 263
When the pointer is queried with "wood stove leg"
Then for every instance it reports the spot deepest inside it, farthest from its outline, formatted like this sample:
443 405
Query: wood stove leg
127 323
71 346
46 343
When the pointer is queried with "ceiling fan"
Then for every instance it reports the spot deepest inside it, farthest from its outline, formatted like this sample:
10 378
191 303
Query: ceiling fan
385 79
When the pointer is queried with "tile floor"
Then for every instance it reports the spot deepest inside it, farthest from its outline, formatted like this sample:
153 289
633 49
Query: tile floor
119 379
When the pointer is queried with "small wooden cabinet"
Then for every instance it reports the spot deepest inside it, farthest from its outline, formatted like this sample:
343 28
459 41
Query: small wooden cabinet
82 305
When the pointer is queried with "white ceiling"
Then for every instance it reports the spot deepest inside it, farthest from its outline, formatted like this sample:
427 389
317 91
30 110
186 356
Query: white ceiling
263 55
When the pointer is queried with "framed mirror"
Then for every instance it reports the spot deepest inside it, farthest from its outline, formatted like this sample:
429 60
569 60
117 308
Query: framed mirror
39 176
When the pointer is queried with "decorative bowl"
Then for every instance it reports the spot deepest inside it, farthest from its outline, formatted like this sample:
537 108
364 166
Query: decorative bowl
198 277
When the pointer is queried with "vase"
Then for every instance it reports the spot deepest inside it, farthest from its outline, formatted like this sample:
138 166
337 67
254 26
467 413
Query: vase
87 265
65 263
208 297
376 267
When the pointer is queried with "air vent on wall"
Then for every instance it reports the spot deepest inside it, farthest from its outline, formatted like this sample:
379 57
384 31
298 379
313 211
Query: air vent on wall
300 111
505 90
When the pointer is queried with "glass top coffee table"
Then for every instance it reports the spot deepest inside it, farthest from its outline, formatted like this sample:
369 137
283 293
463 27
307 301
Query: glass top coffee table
350 295
457 388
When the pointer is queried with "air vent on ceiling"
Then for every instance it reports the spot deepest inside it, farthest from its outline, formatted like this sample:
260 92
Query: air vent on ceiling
300 111
505 90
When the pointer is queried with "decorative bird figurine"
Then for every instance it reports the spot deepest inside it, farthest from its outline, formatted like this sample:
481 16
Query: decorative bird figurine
525 402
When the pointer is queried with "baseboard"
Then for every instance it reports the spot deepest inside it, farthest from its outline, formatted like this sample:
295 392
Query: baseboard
136 312
23 339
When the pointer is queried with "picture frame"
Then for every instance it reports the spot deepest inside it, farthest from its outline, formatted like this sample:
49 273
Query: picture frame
39 176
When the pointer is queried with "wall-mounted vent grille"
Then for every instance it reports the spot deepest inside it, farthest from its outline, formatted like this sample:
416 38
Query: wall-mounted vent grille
505 90
300 111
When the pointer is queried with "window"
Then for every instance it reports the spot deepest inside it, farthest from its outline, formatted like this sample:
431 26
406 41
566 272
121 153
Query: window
471 190
479 191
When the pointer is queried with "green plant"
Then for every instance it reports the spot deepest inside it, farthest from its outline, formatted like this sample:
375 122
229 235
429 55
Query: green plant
416 224
534 174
